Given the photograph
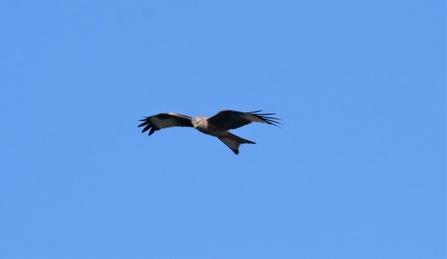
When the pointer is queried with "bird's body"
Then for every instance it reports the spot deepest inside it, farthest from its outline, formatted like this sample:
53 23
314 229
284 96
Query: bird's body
202 125
217 126
231 140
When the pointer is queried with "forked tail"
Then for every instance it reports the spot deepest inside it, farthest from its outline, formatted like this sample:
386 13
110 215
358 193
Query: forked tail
233 142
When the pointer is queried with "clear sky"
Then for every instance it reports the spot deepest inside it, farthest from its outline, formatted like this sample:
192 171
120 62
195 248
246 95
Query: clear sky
357 170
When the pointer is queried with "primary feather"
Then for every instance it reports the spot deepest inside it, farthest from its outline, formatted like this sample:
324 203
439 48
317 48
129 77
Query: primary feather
165 120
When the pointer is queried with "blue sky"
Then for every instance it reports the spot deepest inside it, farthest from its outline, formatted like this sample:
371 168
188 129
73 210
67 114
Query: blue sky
358 169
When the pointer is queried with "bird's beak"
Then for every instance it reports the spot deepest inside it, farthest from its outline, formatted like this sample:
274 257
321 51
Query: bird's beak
195 125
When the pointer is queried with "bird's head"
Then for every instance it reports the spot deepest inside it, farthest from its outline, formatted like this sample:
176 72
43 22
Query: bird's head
197 121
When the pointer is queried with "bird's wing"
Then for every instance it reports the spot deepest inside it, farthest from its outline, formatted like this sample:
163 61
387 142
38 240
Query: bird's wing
164 120
234 119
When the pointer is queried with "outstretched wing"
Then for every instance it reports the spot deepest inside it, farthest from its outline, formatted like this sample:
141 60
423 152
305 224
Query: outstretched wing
164 120
234 119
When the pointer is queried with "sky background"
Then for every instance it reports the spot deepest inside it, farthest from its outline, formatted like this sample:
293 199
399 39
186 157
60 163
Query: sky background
357 170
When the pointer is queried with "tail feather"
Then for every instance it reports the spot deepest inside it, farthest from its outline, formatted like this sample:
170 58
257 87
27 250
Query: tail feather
233 142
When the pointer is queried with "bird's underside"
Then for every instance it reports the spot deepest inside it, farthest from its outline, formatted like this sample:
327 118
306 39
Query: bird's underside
217 126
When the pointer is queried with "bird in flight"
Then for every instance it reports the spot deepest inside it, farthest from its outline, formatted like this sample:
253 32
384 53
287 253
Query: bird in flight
217 126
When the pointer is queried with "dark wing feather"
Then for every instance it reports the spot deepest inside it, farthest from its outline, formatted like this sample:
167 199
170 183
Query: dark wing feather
164 120
234 119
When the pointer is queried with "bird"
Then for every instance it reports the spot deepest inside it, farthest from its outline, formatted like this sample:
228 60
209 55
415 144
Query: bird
217 125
